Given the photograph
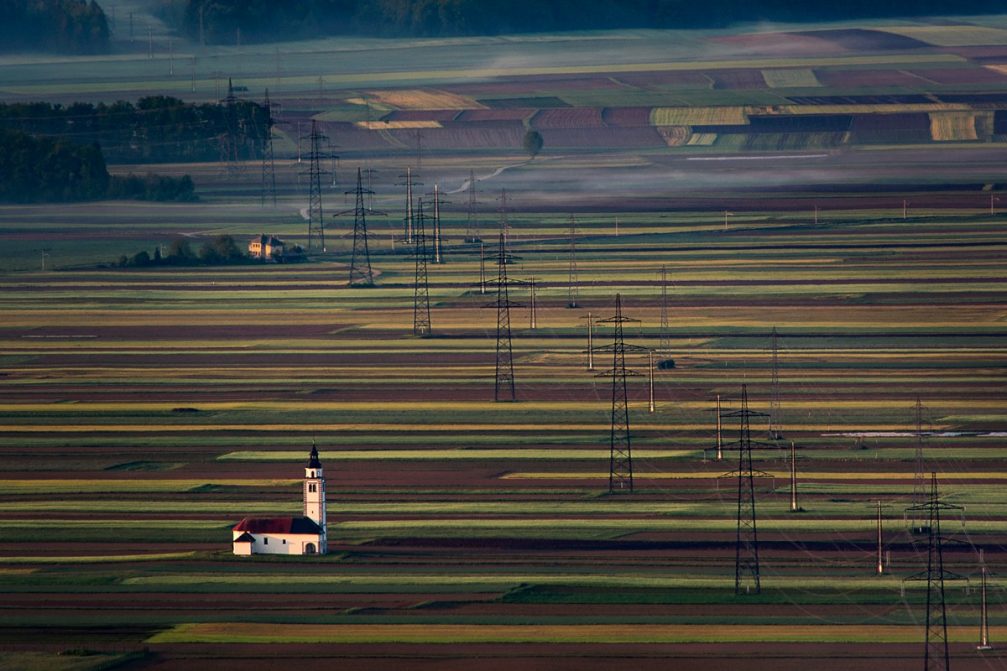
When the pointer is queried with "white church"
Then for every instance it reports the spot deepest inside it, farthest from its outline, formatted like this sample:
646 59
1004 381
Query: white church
288 535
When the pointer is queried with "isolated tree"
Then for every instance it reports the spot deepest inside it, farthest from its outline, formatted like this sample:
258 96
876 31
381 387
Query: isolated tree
532 143
179 252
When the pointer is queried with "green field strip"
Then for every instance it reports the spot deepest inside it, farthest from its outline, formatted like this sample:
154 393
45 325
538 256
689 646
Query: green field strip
814 509
452 455
135 485
655 580
482 527
94 559
234 632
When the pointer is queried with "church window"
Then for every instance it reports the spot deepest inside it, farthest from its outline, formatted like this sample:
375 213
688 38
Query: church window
312 487
265 541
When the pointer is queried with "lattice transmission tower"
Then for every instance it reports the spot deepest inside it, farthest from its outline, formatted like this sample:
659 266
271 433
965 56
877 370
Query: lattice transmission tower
747 578
572 279
421 287
935 654
316 220
361 274
230 140
620 475
268 191
504 388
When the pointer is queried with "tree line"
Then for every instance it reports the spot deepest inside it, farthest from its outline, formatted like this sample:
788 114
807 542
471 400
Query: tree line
222 250
156 129
73 26
50 169
220 21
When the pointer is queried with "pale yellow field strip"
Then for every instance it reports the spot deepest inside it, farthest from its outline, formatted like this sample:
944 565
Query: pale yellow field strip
791 77
860 109
225 632
953 126
698 116
430 99
397 125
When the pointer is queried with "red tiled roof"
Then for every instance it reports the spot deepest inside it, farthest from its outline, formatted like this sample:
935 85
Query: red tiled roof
278 525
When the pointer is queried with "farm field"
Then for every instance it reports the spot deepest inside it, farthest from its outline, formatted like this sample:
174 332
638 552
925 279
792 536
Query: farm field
838 184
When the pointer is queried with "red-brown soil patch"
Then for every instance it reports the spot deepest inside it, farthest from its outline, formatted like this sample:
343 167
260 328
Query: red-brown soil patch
626 116
572 117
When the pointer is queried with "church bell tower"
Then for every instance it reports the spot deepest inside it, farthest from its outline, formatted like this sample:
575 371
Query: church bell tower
314 491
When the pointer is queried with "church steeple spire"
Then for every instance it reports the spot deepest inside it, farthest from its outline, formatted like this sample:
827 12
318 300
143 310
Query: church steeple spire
314 492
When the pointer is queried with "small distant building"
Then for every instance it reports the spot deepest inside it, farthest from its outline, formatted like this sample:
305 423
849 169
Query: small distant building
288 535
267 248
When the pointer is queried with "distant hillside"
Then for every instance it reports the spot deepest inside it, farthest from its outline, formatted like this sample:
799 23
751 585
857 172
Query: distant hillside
74 26
265 20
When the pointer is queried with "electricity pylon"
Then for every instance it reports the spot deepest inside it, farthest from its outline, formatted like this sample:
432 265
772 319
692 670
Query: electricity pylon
747 578
504 389
230 139
620 476
935 654
572 280
268 192
361 274
316 220
421 290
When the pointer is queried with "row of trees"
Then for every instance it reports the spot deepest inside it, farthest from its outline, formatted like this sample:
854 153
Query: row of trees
74 26
222 250
155 129
219 20
48 169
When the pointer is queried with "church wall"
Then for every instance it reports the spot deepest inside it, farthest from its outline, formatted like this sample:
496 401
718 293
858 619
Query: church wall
294 544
